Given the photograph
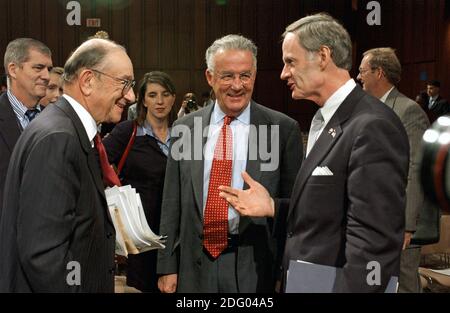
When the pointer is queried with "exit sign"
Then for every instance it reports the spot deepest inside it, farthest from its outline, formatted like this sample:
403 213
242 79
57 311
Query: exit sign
93 22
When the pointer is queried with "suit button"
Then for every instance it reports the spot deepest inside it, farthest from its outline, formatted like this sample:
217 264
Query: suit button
109 235
111 271
199 262
290 234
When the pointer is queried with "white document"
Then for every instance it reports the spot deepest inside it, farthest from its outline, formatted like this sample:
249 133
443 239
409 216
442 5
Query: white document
133 235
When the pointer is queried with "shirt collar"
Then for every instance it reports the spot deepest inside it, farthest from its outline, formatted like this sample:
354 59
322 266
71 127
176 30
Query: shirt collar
218 115
384 97
86 118
18 107
146 129
336 99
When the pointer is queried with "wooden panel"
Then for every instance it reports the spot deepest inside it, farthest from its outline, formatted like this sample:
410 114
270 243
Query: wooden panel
51 25
151 36
200 43
270 89
17 11
135 40
4 36
264 24
233 16
118 30
168 28
185 34
34 19
249 20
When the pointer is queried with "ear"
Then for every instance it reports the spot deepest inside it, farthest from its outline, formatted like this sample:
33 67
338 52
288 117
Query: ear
209 77
324 54
86 81
380 73
12 68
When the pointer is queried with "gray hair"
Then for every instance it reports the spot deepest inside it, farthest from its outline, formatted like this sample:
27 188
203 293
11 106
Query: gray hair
18 51
229 42
386 59
91 54
315 31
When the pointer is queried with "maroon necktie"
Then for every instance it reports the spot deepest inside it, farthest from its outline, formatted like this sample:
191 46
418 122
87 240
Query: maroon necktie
215 222
110 177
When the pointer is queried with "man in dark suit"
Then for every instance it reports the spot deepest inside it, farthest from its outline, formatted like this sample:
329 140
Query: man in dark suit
348 201
56 234
27 64
436 106
247 257
379 72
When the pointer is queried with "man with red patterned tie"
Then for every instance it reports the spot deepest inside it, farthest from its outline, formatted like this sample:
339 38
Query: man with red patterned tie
209 247
56 234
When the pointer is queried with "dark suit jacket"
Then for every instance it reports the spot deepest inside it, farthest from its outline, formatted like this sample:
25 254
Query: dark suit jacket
440 107
55 219
144 169
357 215
182 209
9 133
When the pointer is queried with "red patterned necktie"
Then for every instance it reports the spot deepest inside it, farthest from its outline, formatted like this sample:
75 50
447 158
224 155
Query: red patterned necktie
215 222
110 177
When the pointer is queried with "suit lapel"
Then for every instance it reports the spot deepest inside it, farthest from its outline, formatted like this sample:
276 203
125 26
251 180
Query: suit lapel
9 127
86 146
198 165
327 139
253 167
392 97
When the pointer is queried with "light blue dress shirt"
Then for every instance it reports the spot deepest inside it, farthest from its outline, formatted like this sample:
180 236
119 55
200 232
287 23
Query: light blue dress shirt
147 130
240 127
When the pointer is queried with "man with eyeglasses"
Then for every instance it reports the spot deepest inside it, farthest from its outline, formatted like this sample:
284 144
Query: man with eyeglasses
56 234
379 72
210 248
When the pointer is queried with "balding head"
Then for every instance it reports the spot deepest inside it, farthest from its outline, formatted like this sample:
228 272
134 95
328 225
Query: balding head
90 54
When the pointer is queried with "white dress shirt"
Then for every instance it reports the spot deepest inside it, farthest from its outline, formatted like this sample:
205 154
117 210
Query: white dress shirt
86 118
240 127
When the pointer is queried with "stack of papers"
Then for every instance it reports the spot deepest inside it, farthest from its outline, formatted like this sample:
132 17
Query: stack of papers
133 235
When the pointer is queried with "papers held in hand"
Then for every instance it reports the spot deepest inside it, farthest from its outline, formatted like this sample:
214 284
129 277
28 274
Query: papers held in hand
305 277
133 235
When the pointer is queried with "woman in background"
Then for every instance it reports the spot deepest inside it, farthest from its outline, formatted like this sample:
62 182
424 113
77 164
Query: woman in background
54 87
145 164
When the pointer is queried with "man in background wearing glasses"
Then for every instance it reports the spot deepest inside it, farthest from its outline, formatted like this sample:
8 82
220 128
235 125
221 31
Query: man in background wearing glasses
56 234
243 257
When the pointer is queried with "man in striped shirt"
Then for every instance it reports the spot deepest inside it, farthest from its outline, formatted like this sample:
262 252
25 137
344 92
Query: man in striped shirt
27 64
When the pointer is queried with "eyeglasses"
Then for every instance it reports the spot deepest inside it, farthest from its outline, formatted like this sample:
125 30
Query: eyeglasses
364 71
127 84
227 78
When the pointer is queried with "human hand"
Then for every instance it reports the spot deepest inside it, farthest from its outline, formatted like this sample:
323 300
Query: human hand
168 283
407 239
254 201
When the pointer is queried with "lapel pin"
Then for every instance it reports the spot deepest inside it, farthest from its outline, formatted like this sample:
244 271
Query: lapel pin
332 132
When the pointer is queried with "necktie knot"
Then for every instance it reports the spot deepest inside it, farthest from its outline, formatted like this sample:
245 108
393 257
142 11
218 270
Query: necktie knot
314 132
31 114
110 177
227 120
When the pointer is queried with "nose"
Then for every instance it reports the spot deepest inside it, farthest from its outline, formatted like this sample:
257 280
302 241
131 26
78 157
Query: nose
284 73
237 83
45 74
359 77
159 99
130 96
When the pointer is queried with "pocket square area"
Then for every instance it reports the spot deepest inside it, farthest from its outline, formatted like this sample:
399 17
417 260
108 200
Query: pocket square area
322 171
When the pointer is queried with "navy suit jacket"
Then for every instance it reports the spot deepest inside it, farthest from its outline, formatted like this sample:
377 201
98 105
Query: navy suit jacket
356 215
56 234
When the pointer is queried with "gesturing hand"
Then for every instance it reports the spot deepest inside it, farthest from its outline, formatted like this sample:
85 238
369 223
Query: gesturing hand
254 201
